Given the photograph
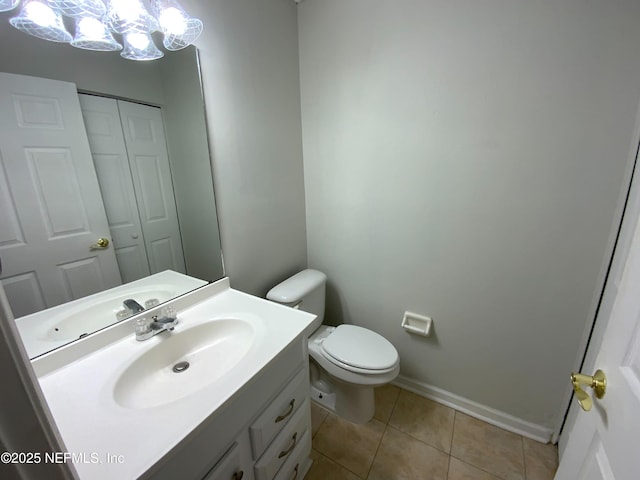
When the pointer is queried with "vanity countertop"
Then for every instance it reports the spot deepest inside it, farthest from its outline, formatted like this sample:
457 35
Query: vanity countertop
107 439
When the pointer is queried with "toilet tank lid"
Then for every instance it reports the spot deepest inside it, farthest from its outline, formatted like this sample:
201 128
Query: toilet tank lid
294 288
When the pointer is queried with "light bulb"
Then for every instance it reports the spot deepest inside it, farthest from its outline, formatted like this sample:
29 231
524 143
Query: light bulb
92 34
40 14
172 21
139 46
127 10
91 28
138 40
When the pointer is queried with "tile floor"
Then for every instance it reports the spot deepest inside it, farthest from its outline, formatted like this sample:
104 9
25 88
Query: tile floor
413 438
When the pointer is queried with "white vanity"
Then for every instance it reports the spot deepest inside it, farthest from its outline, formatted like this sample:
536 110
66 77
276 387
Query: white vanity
224 396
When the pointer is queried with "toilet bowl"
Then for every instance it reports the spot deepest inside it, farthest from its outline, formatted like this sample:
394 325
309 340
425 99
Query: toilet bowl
346 362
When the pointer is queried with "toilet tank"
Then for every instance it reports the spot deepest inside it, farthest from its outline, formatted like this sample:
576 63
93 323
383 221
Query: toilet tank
305 290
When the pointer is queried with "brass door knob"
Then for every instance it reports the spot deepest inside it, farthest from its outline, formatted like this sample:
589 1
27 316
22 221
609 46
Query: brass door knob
101 244
598 382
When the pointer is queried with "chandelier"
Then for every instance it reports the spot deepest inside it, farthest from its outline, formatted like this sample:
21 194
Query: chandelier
107 25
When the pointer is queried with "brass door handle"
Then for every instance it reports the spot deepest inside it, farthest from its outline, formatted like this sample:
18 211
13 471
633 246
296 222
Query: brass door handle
598 382
101 244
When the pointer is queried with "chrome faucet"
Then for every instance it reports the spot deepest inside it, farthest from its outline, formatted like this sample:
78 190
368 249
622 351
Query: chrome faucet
167 321
147 328
132 305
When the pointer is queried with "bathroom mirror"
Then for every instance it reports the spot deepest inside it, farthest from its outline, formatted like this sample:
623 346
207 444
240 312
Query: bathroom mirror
170 85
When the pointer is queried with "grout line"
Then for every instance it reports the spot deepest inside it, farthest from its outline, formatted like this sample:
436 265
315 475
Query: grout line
493 474
319 425
336 463
453 429
524 459
419 440
395 403
373 460
448 466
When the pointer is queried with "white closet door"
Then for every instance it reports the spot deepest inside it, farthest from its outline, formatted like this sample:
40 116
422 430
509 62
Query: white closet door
51 211
146 146
102 120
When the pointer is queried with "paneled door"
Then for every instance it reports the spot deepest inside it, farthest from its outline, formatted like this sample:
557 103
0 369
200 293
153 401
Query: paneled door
144 137
104 130
51 213
603 442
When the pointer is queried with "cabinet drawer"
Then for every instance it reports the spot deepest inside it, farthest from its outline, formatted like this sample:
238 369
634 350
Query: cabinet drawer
229 467
284 444
298 462
278 413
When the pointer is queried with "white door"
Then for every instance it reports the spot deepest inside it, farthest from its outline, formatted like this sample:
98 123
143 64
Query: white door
147 149
102 120
604 443
51 212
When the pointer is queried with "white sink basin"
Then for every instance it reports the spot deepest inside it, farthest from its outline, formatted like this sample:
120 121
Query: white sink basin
211 349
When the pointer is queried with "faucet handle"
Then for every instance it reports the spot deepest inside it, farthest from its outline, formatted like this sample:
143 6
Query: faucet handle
143 328
169 312
170 317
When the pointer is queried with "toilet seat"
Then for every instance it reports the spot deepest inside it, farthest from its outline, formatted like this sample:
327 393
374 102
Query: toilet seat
359 350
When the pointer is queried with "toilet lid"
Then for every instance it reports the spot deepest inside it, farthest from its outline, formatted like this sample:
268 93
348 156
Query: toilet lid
360 347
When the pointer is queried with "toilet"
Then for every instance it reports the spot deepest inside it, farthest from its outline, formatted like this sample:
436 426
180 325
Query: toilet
346 362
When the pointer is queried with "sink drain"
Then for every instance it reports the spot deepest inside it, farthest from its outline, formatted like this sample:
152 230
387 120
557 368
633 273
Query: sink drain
180 367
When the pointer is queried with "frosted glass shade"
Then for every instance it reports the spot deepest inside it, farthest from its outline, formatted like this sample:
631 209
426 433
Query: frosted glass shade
92 34
6 5
79 8
130 16
139 46
96 22
177 41
37 18
179 28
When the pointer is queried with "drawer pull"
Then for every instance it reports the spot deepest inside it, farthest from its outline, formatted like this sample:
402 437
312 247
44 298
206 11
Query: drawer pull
286 452
238 475
287 413
295 472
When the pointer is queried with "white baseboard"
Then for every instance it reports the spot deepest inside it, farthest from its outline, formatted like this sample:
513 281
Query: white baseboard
477 410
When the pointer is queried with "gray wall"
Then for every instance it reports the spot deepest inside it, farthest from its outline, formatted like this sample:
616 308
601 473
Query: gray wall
465 160
186 130
249 61
95 72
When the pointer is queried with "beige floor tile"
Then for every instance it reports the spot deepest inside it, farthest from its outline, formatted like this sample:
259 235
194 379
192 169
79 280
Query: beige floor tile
424 419
318 414
540 460
350 445
386 397
324 468
458 470
402 457
487 447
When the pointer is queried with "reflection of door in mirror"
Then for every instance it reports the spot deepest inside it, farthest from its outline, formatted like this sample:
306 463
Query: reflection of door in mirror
132 164
46 164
